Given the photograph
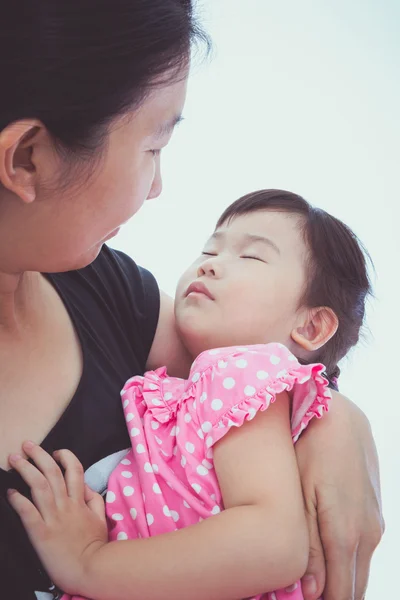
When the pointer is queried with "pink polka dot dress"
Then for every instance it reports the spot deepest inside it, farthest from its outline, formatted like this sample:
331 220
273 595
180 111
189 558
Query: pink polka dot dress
167 480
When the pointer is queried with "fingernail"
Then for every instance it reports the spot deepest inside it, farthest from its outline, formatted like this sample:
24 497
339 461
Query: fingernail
28 445
11 491
309 584
14 457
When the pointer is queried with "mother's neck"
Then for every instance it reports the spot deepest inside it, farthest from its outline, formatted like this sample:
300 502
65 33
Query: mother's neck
19 299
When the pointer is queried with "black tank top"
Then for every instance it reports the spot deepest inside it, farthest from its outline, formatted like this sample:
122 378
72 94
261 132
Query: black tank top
114 305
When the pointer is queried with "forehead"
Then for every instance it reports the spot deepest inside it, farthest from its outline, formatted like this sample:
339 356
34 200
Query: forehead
162 109
283 228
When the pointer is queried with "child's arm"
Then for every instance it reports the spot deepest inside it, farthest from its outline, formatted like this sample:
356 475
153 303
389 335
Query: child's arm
259 543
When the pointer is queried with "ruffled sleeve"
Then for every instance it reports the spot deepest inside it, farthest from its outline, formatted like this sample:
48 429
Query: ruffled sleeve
231 385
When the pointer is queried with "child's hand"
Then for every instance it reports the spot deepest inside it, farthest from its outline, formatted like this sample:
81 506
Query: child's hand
66 524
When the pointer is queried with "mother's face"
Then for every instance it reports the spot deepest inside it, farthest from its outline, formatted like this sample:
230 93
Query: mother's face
49 226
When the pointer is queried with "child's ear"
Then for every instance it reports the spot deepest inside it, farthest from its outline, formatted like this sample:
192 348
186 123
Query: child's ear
318 327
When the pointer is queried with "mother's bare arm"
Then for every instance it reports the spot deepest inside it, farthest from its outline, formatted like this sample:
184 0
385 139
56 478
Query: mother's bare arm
167 349
339 470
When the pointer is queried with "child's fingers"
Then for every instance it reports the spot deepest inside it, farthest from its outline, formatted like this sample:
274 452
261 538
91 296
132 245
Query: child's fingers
41 490
95 502
74 474
27 512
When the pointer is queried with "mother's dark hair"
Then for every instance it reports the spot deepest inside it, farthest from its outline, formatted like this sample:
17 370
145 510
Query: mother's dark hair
337 269
75 65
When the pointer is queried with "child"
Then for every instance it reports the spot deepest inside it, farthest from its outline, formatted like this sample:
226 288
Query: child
289 282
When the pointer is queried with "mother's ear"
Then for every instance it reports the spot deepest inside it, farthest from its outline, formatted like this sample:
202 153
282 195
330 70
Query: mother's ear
18 168
318 326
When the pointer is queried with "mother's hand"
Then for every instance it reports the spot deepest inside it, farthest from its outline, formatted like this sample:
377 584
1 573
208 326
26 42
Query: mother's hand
340 475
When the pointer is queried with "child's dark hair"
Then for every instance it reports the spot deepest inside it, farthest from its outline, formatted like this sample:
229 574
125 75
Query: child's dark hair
77 64
337 267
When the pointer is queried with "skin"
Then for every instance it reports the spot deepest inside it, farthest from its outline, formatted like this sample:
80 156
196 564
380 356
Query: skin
255 269
38 339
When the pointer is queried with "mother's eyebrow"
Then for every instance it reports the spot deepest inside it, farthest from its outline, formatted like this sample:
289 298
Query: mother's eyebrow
167 127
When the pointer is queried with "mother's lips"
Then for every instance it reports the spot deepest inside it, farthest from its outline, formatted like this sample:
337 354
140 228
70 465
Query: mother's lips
199 288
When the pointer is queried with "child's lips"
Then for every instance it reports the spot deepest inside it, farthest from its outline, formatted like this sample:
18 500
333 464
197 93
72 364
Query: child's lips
198 287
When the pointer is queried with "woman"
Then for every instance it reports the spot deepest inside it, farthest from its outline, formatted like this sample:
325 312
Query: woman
91 95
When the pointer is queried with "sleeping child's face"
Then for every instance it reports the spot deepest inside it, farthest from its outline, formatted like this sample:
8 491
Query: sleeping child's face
246 286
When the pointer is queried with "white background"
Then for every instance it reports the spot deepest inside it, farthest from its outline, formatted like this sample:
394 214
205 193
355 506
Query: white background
303 96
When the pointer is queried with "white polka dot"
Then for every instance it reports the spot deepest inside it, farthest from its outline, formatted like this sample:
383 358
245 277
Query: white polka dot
156 488
291 588
262 375
129 417
252 413
133 513
126 474
196 487
134 432
117 517
206 427
282 373
203 397
155 468
186 504
183 461
209 453
189 447
229 383
207 464
174 430
110 497
155 425
148 468
144 497
175 515
249 390
152 386
291 357
128 490
166 511
231 423
187 418
167 396
140 449
241 349
222 364
149 519
213 497
200 434
158 440
196 377
273 596
126 403
241 363
202 470
215 510
217 404
274 360
156 402
194 405
209 441
214 351
122 536
175 450
169 484
125 461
